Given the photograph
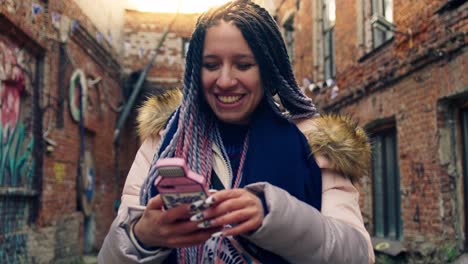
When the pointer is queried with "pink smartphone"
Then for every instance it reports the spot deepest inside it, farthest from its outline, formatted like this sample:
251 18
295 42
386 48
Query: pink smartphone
177 184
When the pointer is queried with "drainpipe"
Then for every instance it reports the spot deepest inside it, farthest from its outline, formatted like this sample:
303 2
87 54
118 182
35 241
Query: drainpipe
139 85
130 104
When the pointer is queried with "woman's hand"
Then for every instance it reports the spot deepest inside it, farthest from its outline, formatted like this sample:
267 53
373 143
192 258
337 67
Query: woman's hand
237 207
171 228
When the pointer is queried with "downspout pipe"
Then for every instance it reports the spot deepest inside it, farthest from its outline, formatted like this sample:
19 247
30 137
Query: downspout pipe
137 88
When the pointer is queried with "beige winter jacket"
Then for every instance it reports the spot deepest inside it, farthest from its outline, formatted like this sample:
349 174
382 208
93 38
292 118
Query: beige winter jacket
292 229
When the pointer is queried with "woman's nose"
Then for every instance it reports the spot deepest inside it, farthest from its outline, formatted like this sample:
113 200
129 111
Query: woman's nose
226 78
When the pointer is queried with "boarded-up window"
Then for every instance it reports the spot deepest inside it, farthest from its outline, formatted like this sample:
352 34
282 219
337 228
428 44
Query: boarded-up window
386 185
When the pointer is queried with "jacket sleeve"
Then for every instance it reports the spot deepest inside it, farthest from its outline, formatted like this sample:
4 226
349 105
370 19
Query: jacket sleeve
118 247
334 235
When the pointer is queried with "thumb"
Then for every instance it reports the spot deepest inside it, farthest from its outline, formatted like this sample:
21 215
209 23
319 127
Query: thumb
155 203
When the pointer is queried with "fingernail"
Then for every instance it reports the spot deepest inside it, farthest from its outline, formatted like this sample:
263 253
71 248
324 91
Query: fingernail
217 234
197 217
210 200
196 205
204 224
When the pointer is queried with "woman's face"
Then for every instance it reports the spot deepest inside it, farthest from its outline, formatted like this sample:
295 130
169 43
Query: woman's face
230 74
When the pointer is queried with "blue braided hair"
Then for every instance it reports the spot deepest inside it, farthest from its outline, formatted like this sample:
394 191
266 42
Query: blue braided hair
196 124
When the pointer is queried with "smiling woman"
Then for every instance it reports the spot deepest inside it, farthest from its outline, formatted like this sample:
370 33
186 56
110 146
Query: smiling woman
164 6
278 199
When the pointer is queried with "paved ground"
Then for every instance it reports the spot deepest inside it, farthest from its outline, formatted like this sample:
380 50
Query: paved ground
462 260
89 259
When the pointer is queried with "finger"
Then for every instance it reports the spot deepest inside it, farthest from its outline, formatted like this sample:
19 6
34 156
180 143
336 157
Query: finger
225 207
242 228
181 212
216 198
245 200
224 195
212 191
180 228
233 218
155 203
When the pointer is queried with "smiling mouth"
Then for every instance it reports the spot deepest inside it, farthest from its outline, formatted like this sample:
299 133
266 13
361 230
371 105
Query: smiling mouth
231 99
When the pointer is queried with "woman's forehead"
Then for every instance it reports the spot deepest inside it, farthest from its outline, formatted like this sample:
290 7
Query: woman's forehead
225 38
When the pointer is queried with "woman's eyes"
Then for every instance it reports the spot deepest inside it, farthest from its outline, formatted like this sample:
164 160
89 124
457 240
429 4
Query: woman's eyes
242 66
210 65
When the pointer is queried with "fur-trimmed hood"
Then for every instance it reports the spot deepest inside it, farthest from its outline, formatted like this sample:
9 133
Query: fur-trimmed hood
335 137
155 111
340 140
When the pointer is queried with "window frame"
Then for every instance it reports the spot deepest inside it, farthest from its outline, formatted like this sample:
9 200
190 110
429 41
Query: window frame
329 67
464 156
289 41
449 5
385 163
328 42
381 22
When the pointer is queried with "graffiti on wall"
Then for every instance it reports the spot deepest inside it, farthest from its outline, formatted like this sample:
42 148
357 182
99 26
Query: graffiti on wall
16 148
11 86
78 93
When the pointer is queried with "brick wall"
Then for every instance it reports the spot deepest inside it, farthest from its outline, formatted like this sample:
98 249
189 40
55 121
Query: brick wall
304 45
57 233
418 81
108 18
142 33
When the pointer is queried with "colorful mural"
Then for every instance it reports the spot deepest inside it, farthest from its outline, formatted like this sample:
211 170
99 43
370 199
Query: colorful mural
11 85
77 85
16 148
17 143
86 183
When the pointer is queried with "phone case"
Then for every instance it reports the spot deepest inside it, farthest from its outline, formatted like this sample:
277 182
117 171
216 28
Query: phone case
177 184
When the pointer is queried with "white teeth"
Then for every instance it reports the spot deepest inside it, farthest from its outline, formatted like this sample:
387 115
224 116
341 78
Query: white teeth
229 99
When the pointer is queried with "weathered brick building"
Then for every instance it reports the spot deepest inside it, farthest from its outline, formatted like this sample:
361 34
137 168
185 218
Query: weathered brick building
400 69
142 34
50 54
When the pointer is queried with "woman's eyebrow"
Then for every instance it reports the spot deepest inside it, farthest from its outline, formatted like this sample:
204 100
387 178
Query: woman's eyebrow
237 56
210 56
244 56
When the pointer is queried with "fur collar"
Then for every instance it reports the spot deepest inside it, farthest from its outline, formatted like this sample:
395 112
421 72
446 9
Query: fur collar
342 142
155 112
335 137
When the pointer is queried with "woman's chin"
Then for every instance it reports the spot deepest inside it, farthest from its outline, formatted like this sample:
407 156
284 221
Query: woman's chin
232 119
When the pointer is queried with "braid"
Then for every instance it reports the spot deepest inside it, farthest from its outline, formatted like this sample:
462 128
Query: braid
284 64
277 70
195 130
195 125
